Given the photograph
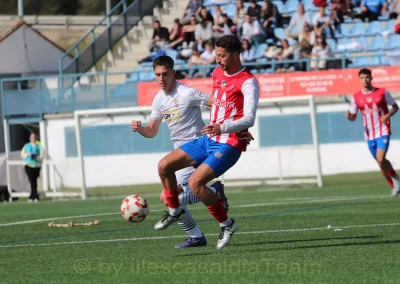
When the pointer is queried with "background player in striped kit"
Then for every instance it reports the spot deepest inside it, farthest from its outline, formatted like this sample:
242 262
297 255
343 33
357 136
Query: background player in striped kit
373 105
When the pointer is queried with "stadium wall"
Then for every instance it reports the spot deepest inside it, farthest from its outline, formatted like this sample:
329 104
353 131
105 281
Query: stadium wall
114 155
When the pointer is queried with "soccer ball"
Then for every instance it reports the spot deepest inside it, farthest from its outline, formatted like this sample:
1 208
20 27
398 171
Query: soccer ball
134 208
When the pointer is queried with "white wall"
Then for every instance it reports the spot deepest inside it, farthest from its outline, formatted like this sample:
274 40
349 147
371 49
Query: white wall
26 52
255 163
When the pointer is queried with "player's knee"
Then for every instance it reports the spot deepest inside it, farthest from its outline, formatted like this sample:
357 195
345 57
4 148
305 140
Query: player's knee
163 167
195 185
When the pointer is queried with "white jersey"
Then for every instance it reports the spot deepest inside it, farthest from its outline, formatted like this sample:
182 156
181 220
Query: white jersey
181 110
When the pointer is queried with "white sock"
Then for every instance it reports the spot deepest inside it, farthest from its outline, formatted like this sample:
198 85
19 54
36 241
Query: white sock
175 211
195 232
190 226
228 222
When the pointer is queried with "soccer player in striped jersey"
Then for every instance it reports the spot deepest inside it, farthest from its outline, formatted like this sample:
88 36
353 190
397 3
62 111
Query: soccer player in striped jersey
180 107
373 104
234 104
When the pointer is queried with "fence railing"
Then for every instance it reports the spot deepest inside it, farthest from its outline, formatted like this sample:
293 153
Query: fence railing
40 95
98 41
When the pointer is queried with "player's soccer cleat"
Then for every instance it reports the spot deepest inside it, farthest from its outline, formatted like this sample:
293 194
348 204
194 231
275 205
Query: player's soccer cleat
168 220
193 242
396 186
226 234
219 188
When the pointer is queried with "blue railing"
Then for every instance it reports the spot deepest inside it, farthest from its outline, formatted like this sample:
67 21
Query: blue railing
98 44
40 95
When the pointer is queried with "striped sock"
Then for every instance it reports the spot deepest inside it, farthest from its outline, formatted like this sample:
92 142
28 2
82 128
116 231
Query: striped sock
189 225
187 197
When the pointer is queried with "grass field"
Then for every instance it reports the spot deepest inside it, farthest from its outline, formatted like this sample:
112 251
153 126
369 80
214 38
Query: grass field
283 238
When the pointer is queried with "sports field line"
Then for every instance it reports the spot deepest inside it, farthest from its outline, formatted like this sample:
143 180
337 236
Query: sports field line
182 236
344 198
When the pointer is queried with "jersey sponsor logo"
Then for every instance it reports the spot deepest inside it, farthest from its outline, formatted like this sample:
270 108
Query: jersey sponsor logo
223 103
171 115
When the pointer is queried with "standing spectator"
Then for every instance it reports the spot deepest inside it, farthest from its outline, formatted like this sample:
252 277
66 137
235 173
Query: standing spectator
372 9
254 9
160 36
319 54
270 14
33 155
192 9
304 52
285 53
297 22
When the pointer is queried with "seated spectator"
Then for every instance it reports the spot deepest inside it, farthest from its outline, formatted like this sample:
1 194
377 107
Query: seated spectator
319 54
205 15
176 34
372 9
322 23
207 57
254 9
394 9
241 12
193 9
160 37
286 52
297 22
304 52
189 37
307 34
271 15
248 53
226 27
203 32
252 30
339 9
218 15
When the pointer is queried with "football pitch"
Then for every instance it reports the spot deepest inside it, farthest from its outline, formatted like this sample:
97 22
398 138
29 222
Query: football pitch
346 232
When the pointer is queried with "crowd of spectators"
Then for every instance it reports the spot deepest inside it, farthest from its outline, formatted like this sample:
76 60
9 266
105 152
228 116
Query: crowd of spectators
304 34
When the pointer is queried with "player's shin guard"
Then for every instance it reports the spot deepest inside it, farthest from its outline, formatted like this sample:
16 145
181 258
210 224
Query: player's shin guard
173 201
217 210
189 225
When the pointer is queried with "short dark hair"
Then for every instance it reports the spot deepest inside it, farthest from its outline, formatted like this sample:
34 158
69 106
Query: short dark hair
230 42
365 71
165 61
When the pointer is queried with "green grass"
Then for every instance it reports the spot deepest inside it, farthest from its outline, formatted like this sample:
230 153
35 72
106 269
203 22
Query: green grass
282 239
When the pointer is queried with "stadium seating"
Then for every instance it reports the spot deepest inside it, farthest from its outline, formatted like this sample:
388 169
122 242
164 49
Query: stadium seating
363 43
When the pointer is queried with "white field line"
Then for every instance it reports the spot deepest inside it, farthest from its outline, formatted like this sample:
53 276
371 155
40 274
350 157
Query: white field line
344 198
182 236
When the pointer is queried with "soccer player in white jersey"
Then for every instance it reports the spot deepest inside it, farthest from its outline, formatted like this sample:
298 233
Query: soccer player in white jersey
180 107
373 105
234 105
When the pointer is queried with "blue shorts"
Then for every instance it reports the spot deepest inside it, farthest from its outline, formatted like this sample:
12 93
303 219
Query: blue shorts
378 143
219 156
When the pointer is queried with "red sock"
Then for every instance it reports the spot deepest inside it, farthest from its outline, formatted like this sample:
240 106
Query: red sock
218 211
390 183
392 173
172 198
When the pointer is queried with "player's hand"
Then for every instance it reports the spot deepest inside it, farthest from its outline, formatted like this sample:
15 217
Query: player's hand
249 138
384 118
135 125
212 129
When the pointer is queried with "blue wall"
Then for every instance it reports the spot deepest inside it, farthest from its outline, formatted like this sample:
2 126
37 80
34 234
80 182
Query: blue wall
281 130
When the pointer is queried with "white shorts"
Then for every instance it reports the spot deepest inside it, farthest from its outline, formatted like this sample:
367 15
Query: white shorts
182 177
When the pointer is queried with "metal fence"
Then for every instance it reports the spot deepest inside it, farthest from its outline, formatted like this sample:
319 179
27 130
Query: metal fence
98 44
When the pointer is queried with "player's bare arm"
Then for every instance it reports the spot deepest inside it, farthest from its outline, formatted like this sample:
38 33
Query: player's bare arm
392 112
148 131
351 116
